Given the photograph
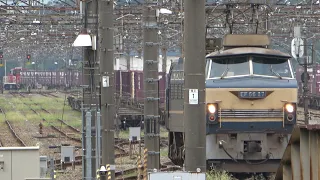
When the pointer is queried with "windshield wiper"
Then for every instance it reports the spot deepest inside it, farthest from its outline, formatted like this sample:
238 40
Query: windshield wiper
224 73
275 73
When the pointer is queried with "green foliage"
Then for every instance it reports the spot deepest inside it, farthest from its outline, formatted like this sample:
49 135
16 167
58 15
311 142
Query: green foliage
32 116
218 175
14 116
23 105
164 152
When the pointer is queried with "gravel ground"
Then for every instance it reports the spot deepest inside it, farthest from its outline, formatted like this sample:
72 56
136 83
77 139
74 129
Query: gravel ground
6 137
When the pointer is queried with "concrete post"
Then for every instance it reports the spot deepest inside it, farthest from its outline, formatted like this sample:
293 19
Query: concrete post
194 84
107 82
150 73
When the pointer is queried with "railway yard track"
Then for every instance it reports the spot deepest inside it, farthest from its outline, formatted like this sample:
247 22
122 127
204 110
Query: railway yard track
9 140
122 146
55 128
9 137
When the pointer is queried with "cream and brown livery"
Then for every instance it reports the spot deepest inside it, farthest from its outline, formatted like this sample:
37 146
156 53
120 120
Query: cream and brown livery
251 97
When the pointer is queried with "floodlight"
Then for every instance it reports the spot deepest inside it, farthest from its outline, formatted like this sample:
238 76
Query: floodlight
165 11
83 39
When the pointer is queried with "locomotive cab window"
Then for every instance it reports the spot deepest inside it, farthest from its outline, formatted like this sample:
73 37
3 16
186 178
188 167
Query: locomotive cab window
270 66
229 67
254 65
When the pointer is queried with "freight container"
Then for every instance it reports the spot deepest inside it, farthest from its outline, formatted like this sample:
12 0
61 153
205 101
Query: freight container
130 84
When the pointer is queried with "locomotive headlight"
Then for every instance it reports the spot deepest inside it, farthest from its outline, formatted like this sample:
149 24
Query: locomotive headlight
211 108
289 108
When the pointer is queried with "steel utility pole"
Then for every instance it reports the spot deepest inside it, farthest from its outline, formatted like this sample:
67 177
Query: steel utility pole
90 97
305 84
150 76
194 85
107 83
305 88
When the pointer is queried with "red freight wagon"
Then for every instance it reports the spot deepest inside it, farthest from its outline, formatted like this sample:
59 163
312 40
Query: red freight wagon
131 84
52 78
123 83
314 81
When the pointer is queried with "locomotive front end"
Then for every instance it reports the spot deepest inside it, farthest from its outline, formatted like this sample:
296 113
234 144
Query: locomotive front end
251 97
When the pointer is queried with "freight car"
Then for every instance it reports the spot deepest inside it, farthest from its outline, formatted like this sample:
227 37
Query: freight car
251 97
313 86
21 78
129 97
51 79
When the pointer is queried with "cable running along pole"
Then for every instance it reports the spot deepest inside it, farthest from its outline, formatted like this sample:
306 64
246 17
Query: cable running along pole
107 83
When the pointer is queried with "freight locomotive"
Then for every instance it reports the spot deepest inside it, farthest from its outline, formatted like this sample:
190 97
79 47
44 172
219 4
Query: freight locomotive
251 97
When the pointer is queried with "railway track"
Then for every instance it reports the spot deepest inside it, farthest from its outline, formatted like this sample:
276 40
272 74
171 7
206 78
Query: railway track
20 141
75 130
121 146
50 94
66 134
12 132
77 140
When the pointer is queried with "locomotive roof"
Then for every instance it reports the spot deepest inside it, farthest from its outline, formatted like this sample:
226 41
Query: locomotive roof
249 50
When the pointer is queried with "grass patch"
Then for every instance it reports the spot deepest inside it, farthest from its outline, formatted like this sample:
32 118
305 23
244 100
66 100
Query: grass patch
56 106
164 152
221 175
31 116
75 123
14 116
50 117
124 134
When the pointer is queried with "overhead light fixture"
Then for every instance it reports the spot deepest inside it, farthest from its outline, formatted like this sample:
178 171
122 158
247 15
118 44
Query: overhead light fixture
35 21
83 39
165 11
